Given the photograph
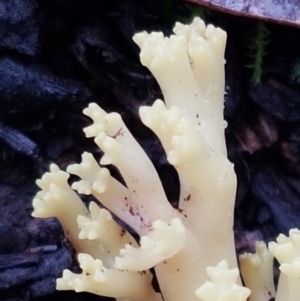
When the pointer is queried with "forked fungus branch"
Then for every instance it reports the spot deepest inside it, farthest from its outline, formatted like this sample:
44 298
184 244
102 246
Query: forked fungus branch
191 248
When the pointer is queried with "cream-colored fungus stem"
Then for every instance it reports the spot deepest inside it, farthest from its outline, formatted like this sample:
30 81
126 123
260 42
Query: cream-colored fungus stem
121 149
178 244
222 285
97 181
57 199
286 250
208 178
96 279
257 273
189 67
100 226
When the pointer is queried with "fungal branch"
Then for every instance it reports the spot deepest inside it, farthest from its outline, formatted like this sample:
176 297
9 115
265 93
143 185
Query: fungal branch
178 244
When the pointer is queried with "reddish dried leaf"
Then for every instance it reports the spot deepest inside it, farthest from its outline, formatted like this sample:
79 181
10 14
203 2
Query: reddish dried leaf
279 11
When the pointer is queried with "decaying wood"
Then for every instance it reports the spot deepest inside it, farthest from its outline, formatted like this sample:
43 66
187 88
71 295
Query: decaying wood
278 11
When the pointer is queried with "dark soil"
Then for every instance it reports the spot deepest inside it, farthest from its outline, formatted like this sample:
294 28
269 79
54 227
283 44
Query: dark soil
57 56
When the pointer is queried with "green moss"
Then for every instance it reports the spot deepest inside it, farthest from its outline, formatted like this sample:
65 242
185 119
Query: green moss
295 72
258 50
196 11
